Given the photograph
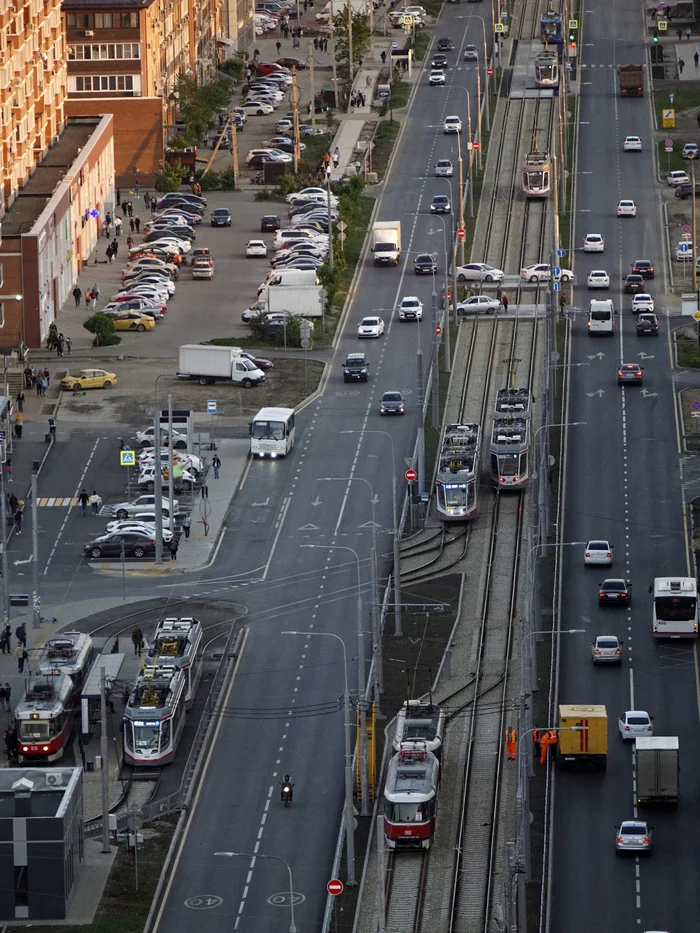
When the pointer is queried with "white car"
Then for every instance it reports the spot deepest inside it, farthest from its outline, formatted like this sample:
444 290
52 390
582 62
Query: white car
115 526
147 477
684 251
307 194
257 108
541 272
436 77
598 553
478 272
452 125
471 53
633 723
411 309
142 291
626 208
145 438
606 649
675 178
170 243
690 151
145 503
598 278
289 235
444 168
478 303
256 248
370 327
632 144
594 243
642 302
285 124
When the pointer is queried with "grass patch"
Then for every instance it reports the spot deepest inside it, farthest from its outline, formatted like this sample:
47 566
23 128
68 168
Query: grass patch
352 250
686 96
673 161
316 146
688 352
691 426
420 46
384 141
400 93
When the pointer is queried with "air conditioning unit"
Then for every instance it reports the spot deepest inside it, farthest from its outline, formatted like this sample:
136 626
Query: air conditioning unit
54 778
89 32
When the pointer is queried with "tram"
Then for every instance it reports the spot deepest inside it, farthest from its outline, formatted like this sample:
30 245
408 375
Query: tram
547 69
154 716
551 28
457 473
411 797
420 721
510 451
178 642
69 653
537 174
514 400
44 718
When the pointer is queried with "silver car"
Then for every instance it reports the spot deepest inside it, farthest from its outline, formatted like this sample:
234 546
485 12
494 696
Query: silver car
633 836
444 168
125 510
633 723
606 649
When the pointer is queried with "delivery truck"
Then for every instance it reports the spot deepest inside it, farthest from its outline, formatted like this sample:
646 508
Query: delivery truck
631 80
583 736
657 767
208 364
302 300
386 242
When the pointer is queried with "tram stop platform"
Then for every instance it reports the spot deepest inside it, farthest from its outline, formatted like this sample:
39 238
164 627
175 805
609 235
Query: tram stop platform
522 83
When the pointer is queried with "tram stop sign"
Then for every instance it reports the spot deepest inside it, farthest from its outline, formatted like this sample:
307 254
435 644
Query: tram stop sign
411 477
335 886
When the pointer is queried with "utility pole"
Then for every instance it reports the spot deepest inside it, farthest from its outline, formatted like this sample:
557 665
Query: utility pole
294 99
435 354
334 67
158 489
234 146
312 87
36 601
330 216
3 520
104 752
421 431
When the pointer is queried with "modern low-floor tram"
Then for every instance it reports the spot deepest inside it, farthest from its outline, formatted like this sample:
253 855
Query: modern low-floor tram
510 451
537 174
179 643
458 472
547 69
411 797
154 716
551 27
515 400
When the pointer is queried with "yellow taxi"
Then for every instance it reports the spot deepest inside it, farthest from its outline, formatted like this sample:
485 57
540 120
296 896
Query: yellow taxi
132 320
89 379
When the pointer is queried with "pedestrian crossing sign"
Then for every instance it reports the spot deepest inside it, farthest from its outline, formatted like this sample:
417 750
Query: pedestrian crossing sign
499 27
127 458
662 25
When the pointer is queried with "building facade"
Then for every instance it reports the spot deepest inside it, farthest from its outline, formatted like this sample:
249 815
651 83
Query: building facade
237 26
32 87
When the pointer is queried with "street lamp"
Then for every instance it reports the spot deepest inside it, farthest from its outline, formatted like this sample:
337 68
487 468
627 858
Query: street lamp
446 302
349 809
470 150
277 858
486 76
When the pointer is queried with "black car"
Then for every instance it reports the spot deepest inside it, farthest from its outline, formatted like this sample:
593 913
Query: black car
644 268
615 593
260 363
221 217
134 544
686 191
647 324
425 264
355 368
269 222
391 403
444 45
439 61
633 283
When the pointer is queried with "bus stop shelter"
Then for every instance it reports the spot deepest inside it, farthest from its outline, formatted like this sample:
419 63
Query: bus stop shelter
90 695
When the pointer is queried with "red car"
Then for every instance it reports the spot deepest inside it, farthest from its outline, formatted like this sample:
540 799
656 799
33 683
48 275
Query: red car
267 68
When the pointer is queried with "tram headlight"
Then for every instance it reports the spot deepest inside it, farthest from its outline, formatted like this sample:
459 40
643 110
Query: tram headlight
45 748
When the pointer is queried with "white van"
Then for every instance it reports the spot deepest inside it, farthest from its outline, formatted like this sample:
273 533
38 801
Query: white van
601 317
290 277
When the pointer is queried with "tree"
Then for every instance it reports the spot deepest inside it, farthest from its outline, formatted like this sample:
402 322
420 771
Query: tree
102 327
171 176
361 36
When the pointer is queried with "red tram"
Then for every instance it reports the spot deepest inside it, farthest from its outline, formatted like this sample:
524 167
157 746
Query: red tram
44 718
411 797
68 653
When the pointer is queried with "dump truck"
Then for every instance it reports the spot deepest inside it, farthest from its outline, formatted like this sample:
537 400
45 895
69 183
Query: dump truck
631 80
657 767
386 242
583 736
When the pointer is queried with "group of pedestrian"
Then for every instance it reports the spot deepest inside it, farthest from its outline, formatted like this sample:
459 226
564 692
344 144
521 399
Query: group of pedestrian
92 296
11 745
127 208
401 65
113 249
357 99
37 378
94 501
321 44
135 224
6 698
62 343
20 651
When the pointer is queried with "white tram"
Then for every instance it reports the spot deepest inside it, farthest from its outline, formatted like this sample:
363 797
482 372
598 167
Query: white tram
178 642
547 69
510 451
514 400
154 716
458 472
537 174
68 653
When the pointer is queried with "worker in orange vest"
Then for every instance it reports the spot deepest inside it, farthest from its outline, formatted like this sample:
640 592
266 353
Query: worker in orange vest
549 738
511 744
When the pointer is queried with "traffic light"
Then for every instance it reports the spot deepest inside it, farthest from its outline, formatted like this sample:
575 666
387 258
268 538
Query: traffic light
656 36
572 37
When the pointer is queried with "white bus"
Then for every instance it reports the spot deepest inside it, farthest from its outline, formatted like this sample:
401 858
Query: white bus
272 432
675 611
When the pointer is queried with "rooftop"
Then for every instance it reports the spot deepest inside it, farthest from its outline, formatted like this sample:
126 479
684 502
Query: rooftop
105 5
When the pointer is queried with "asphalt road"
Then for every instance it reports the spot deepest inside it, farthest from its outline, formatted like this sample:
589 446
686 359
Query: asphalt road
622 483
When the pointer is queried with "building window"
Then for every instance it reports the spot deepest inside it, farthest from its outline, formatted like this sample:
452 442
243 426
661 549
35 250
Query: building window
21 885
106 52
70 20
103 20
2 313
104 83
130 20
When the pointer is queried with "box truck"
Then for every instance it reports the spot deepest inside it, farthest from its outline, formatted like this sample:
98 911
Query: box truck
210 364
583 736
657 769
386 242
302 300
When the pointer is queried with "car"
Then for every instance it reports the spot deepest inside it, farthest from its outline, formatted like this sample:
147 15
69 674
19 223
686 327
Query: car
686 191
266 68
436 78
261 363
606 649
270 222
452 125
647 325
131 320
392 403
630 374
149 264
355 368
196 201
633 283
642 301
153 293
144 528
444 45
471 53
440 204
425 264
285 144
633 723
632 144
598 553
308 129
179 215
626 208
594 243
439 61
129 543
88 379
478 272
598 278
257 108
256 248
684 251
148 474
690 151
188 462
257 156
643 267
479 303
282 238
297 63
615 592
370 326
675 178
172 243
144 503
411 309
633 836
221 217
307 194
155 279
541 272
444 168
145 438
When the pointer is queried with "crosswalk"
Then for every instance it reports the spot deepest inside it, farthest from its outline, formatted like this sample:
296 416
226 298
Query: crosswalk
65 501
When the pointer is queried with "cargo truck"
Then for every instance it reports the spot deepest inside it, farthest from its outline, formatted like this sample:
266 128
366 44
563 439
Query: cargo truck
302 300
583 736
210 364
631 80
657 768
386 242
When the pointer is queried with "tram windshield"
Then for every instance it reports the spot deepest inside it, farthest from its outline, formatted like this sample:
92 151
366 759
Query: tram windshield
405 812
455 493
147 736
32 730
675 608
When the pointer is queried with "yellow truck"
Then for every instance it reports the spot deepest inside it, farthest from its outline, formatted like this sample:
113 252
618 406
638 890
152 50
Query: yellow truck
583 736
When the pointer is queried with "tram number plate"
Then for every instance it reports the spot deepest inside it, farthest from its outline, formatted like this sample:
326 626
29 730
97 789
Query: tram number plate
34 748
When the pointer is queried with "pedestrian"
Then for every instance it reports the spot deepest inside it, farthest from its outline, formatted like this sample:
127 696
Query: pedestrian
3 643
173 548
129 241
216 464
130 208
316 44
21 634
77 292
137 189
3 700
137 223
147 201
95 502
19 398
95 289
59 345
84 500
132 225
696 58
105 228
13 502
119 197
21 655
187 525
8 470
69 344
681 66
109 254
118 226
125 208
88 294
278 46
8 695
326 159
687 33
336 157
18 520
47 376
680 33
504 302
115 246
137 640
19 425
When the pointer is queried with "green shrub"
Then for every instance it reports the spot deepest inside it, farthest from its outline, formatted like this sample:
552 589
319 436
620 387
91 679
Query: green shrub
102 327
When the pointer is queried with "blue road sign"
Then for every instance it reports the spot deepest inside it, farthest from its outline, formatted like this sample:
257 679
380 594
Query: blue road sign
556 271
561 252
211 406
557 286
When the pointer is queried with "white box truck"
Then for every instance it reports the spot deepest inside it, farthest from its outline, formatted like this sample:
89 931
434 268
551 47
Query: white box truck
209 364
386 242
657 768
302 300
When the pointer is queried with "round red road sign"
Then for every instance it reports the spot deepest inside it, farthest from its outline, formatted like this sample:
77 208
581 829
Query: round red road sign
461 233
489 71
476 146
335 886
411 476
438 329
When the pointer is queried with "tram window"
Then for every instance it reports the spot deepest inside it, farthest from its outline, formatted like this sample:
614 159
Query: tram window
404 812
33 731
523 463
128 735
165 729
146 736
509 466
455 494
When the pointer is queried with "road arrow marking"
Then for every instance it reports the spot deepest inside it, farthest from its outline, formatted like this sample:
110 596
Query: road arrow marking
599 392
646 356
316 502
646 394
600 355
27 561
261 504
308 527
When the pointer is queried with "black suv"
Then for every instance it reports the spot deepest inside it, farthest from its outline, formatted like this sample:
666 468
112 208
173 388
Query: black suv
686 191
425 264
647 324
270 222
355 368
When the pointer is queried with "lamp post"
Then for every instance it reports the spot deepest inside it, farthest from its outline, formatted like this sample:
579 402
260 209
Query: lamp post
446 302
157 484
349 809
486 77
470 150
277 858
395 529
541 487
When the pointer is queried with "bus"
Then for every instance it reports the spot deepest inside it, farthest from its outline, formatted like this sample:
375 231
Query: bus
272 433
675 612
